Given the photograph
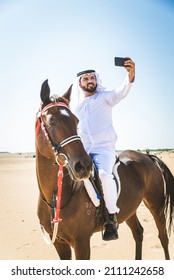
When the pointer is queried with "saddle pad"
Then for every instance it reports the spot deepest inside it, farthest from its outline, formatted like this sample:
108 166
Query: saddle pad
91 192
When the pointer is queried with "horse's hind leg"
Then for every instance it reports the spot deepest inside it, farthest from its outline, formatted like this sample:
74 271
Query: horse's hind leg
137 231
160 221
63 249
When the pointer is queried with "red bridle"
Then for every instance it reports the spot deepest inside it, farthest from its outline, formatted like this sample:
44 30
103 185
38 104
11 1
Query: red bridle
56 148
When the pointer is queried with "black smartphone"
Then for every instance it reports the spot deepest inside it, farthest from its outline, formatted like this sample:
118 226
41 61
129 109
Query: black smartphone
119 61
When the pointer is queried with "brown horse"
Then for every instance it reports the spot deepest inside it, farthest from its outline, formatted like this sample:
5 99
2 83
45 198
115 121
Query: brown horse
140 177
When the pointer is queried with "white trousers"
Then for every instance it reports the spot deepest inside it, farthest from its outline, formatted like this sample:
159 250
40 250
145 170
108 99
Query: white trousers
104 163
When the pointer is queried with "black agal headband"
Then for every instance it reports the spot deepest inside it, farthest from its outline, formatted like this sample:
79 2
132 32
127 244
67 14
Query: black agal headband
85 72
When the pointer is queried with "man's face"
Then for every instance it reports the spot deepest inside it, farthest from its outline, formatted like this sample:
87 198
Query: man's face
88 83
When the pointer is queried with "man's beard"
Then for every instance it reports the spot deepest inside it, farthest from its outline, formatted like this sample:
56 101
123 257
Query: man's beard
90 89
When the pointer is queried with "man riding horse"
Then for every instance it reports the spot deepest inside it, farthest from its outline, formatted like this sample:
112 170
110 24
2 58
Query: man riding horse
92 104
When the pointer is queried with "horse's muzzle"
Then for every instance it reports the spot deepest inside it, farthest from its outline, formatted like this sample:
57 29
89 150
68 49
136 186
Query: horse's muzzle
80 168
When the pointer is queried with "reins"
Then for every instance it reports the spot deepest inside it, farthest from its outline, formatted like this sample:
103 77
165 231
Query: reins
61 160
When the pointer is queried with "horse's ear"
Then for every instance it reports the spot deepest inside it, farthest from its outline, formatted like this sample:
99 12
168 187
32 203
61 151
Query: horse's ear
67 94
45 92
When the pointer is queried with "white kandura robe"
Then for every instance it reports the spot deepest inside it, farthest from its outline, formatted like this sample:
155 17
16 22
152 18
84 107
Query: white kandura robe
99 137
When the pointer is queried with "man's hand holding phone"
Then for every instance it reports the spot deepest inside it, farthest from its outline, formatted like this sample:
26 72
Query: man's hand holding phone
128 64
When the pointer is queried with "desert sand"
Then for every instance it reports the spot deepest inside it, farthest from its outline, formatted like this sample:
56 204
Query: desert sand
20 235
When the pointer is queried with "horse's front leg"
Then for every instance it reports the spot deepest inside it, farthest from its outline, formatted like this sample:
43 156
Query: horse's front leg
63 249
82 248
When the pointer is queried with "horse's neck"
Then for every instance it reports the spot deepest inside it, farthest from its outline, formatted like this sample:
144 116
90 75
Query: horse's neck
69 185
70 188
47 173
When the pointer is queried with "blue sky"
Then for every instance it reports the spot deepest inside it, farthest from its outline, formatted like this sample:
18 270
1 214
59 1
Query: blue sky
55 39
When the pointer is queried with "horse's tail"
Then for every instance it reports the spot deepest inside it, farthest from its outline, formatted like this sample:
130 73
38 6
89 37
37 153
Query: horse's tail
169 190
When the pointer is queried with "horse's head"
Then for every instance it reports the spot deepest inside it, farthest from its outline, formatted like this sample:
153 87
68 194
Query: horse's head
58 139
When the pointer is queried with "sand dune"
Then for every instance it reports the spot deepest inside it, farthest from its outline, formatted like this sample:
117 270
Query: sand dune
20 236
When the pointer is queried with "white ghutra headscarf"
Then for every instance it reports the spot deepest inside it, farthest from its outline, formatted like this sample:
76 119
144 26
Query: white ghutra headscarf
77 94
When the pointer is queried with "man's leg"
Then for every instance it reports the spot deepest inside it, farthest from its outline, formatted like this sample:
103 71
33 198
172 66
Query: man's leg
104 163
